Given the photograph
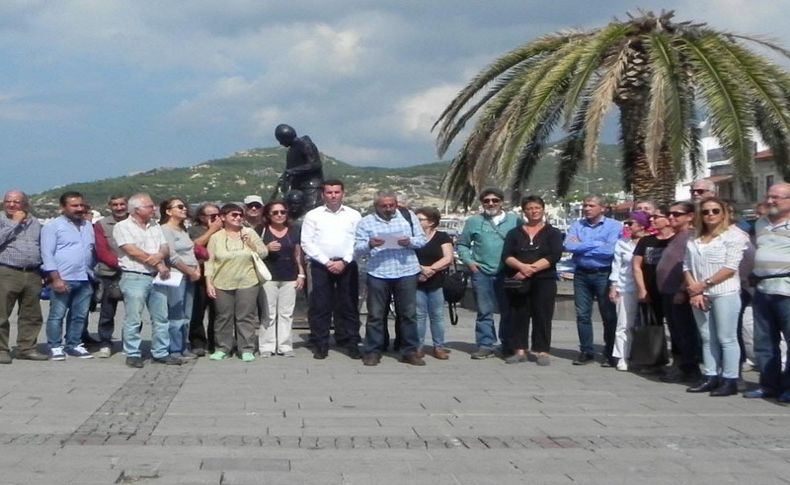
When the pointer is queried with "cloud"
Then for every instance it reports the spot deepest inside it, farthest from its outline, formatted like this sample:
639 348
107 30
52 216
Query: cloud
420 111
16 108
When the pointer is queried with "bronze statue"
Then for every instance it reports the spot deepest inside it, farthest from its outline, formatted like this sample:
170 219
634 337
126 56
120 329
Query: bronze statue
303 176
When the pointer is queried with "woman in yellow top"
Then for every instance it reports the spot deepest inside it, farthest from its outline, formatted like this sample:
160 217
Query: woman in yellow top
231 281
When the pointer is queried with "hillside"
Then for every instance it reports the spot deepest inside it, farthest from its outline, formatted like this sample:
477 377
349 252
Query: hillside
256 171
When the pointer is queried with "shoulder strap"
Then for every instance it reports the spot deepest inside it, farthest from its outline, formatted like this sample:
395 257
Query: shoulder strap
407 215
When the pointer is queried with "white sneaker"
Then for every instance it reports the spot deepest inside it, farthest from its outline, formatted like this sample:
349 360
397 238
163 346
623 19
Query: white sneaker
79 352
56 353
104 353
622 365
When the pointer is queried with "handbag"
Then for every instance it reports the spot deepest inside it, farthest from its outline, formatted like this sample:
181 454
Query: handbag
648 339
261 269
454 289
518 286
113 290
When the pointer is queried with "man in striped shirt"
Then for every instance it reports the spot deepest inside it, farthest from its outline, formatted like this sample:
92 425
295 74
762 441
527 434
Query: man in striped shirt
389 241
772 298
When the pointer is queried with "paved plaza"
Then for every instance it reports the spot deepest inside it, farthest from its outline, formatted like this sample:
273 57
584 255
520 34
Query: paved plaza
334 421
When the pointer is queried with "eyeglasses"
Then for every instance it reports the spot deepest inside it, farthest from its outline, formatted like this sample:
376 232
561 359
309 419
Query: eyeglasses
676 214
234 215
278 213
421 219
178 206
254 205
492 200
708 212
777 197
657 216
698 191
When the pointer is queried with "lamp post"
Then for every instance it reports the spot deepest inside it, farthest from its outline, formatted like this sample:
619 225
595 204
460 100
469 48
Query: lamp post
586 181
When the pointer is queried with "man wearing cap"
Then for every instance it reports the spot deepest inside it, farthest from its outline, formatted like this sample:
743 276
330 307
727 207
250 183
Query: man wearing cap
480 249
253 217
591 240
20 280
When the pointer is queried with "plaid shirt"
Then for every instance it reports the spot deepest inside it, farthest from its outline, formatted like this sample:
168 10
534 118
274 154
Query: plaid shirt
390 263
20 243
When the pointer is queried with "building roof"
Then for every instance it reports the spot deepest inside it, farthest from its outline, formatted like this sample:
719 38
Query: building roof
764 155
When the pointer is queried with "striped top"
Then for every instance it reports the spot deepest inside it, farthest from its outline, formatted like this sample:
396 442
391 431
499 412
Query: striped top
726 250
772 256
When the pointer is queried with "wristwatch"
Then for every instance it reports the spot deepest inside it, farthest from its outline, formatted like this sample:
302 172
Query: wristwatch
708 282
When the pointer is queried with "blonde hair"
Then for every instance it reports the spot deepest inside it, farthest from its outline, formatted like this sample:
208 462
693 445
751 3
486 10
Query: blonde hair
722 226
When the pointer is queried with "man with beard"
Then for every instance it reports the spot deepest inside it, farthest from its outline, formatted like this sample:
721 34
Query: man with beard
480 249
68 255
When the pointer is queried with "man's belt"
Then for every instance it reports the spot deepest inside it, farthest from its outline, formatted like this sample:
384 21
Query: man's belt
606 269
21 268
139 272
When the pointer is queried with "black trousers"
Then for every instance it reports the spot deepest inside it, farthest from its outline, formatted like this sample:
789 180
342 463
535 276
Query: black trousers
682 332
200 336
334 298
536 306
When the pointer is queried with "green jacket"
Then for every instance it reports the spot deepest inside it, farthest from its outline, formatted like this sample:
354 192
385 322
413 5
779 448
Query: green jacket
481 241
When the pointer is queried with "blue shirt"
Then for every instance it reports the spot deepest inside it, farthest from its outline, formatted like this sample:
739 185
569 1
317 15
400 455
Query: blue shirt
592 245
68 249
389 263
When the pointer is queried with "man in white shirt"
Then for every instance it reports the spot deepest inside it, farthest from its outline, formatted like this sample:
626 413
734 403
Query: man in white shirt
143 252
328 241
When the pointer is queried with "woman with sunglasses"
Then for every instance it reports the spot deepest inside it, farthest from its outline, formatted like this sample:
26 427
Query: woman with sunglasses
710 269
647 254
675 299
285 262
622 290
204 225
173 212
232 282
530 255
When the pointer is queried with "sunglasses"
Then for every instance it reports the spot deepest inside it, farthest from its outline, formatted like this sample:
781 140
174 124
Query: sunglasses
677 214
708 212
492 200
698 191
178 206
235 214
254 205
278 213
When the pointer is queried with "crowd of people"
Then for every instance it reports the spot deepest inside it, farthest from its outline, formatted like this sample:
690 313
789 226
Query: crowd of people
690 265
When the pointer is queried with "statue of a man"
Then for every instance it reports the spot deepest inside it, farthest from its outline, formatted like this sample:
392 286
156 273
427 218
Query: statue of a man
303 173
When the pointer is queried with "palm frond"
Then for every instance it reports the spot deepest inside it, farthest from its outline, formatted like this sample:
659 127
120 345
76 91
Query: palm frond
602 99
593 52
776 138
765 42
512 59
572 152
730 117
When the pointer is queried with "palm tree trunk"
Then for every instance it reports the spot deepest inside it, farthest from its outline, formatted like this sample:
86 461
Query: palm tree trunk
637 177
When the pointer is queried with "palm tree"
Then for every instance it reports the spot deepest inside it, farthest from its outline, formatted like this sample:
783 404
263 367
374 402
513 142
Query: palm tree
655 71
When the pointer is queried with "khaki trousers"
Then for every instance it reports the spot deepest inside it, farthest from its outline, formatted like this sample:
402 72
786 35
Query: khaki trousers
22 287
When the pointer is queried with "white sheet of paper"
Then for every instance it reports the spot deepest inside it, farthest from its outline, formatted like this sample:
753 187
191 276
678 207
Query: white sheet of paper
391 240
174 280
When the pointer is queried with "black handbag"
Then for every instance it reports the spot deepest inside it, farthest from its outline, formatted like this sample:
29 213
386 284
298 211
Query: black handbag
518 286
648 340
454 289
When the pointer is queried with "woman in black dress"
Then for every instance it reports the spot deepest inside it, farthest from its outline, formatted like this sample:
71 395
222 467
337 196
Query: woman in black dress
530 255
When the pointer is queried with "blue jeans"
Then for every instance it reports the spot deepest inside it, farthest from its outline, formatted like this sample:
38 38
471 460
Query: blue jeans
403 291
430 304
179 312
138 293
586 288
75 302
771 320
718 331
490 297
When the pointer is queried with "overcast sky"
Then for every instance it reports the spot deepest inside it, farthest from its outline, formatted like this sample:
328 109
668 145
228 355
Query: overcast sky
93 89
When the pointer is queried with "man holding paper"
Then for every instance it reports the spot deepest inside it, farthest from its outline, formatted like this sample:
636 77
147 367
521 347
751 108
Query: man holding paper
389 241
144 251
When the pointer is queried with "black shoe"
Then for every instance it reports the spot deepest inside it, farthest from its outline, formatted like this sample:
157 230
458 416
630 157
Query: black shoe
676 375
412 359
353 352
168 360
320 353
610 362
371 359
135 362
727 387
708 384
31 355
199 352
584 358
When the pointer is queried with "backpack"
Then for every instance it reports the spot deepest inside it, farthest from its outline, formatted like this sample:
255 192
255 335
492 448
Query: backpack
454 289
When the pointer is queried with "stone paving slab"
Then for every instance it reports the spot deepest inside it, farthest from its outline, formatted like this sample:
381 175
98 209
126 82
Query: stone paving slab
335 421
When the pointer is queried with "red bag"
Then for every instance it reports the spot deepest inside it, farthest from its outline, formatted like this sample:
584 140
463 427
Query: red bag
201 253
